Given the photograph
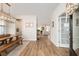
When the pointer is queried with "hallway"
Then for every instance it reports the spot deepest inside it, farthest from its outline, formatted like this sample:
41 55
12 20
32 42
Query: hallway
20 29
43 47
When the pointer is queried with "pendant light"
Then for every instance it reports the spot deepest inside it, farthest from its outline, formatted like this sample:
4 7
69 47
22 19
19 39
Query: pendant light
71 8
9 17
1 12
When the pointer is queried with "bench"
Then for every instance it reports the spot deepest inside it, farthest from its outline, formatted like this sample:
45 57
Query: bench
3 38
4 47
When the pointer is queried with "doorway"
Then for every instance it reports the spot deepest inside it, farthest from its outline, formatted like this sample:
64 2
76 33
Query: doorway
74 34
71 24
63 31
66 32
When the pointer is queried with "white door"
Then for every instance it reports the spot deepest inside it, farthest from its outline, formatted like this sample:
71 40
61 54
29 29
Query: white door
63 31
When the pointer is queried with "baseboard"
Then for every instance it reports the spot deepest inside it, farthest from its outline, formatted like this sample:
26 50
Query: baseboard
55 43
30 39
63 45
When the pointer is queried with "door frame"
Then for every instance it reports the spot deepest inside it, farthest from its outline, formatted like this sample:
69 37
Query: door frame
59 32
71 50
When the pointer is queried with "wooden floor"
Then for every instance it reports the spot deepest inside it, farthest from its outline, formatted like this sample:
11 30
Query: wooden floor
77 51
43 47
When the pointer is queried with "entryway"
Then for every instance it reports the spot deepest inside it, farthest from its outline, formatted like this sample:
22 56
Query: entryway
63 29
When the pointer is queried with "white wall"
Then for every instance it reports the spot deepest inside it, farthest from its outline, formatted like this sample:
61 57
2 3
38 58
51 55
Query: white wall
54 30
29 33
11 27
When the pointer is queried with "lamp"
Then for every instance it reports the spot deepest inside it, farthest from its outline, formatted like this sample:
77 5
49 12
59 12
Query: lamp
71 8
9 17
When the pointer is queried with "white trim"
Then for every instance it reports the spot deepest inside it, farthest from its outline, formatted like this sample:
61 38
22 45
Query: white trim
30 39
64 45
55 43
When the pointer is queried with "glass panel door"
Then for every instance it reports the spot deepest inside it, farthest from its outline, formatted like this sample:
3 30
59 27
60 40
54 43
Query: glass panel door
64 31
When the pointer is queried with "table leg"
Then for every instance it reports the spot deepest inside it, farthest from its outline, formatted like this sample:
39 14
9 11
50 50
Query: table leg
2 42
10 40
5 41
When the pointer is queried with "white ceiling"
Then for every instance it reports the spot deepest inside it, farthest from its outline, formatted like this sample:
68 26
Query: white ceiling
42 10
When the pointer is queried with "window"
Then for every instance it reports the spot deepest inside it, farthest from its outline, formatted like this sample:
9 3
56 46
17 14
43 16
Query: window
2 27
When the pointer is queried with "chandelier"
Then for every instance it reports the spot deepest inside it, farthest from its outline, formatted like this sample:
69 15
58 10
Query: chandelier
5 15
71 8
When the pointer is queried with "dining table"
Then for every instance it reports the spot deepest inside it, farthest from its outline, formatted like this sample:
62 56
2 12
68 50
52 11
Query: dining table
4 40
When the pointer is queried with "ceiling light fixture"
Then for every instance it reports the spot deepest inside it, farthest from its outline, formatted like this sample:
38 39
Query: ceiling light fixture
5 15
71 8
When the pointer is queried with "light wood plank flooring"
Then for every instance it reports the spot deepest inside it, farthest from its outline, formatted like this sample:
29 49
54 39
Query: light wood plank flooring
43 47
77 51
